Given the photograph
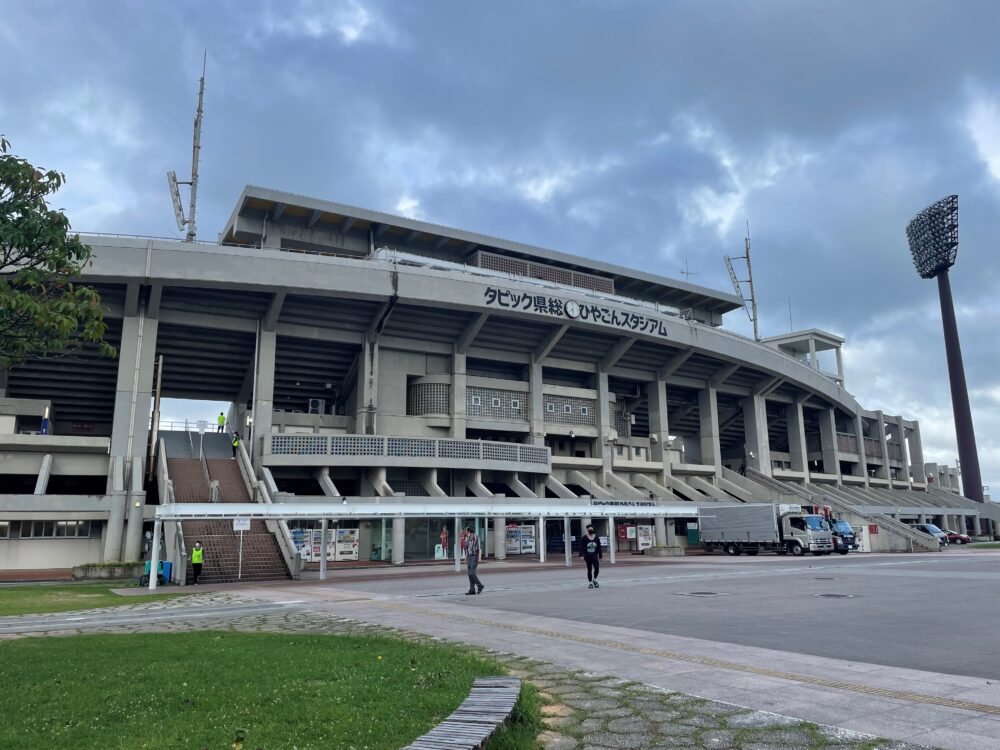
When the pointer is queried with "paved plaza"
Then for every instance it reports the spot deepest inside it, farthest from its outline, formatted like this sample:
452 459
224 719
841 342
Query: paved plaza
706 652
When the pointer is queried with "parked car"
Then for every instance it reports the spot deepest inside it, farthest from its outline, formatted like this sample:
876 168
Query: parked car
929 528
955 537
844 539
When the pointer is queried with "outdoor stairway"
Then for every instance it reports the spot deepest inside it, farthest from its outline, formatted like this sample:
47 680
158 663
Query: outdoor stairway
262 558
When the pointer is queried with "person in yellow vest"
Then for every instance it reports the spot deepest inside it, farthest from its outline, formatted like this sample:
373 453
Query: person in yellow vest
197 558
222 422
236 443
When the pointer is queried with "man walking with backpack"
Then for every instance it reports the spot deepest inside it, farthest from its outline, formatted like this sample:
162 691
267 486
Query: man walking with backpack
591 552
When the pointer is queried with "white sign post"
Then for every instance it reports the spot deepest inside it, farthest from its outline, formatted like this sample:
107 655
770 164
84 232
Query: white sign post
241 525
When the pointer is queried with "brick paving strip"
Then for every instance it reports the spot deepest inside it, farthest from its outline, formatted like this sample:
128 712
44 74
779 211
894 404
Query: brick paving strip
583 710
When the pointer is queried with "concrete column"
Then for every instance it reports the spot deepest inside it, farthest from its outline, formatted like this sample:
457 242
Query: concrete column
660 531
755 433
324 540
263 408
612 538
922 518
500 537
537 415
977 529
4 373
540 538
659 424
367 389
398 540
136 504
671 532
797 437
708 413
567 543
859 431
840 366
154 559
458 544
828 441
116 526
813 361
458 383
605 451
883 471
916 451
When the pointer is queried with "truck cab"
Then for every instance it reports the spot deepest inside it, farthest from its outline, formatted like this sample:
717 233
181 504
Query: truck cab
804 532
844 538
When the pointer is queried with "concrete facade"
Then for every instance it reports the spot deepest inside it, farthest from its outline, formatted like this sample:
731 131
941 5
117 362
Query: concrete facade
368 356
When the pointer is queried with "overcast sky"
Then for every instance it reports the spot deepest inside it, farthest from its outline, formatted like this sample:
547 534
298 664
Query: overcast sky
641 133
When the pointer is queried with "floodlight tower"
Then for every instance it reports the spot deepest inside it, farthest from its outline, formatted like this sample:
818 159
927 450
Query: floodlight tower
933 239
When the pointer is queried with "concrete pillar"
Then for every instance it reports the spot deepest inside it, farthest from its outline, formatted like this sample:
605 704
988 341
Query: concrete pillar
797 437
883 471
859 431
116 526
4 373
366 422
915 448
567 543
605 451
612 538
500 537
671 532
828 442
540 538
660 531
659 425
813 361
458 544
136 504
840 365
458 385
324 540
977 528
398 540
154 559
922 518
537 415
263 408
755 434
708 414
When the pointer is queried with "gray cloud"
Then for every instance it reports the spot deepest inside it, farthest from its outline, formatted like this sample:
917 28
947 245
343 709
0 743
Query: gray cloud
639 132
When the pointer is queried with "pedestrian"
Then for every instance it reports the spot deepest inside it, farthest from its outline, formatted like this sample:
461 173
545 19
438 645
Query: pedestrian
473 554
236 443
222 422
743 469
591 552
197 558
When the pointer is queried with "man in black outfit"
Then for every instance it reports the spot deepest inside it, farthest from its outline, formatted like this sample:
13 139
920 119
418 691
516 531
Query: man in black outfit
591 552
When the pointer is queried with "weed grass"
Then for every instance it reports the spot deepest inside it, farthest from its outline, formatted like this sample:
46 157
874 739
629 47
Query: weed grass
212 689
983 545
35 599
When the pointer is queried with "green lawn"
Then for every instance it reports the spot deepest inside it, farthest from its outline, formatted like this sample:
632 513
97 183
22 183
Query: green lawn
35 599
983 545
208 689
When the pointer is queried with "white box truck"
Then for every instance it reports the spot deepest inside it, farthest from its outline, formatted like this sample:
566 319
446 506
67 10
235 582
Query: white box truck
755 527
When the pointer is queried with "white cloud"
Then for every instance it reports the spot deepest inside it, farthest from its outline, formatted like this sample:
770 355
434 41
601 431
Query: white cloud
408 206
982 123
95 113
349 20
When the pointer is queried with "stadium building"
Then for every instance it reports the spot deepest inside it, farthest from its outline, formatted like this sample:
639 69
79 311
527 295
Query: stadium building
371 358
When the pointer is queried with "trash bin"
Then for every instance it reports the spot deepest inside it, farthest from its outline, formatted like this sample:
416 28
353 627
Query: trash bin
166 567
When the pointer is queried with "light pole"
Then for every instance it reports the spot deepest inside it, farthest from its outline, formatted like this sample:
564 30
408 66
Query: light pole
933 238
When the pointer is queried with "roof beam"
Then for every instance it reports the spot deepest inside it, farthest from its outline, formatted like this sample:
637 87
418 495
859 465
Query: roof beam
279 209
379 230
616 353
550 341
274 310
730 420
764 386
380 319
313 218
412 236
470 333
132 299
442 241
348 223
153 306
674 364
723 375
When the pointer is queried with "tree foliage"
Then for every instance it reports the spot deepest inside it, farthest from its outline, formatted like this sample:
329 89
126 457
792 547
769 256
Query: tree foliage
43 310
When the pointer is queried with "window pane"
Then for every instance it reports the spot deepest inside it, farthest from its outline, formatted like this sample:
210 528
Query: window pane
61 528
49 529
4 529
15 529
83 528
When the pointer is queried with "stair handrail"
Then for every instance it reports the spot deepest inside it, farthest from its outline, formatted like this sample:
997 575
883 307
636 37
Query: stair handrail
259 493
165 486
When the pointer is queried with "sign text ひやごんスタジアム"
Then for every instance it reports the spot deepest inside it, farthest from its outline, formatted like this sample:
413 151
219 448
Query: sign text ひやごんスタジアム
540 303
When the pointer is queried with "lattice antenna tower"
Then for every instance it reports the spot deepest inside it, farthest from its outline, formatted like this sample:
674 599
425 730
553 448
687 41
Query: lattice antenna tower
749 303
172 181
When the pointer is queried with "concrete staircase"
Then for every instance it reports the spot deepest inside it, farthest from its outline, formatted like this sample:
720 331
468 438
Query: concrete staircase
262 558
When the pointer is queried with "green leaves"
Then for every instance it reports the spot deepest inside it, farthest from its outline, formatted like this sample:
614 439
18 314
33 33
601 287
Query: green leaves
42 311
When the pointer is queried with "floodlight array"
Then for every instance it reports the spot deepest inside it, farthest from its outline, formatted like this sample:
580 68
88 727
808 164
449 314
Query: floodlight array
933 237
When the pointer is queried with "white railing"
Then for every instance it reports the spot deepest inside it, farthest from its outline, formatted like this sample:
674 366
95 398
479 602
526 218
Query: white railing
259 493
174 546
406 447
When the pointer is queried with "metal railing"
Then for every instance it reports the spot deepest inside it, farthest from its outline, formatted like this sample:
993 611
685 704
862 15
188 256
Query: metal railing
873 448
259 493
847 442
391 447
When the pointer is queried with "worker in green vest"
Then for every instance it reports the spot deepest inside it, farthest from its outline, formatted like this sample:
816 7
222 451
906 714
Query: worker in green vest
222 422
197 558
236 443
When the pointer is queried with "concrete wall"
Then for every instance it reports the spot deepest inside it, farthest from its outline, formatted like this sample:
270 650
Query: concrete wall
28 554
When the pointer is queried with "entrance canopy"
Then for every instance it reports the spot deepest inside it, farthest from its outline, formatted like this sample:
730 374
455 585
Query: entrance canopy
339 510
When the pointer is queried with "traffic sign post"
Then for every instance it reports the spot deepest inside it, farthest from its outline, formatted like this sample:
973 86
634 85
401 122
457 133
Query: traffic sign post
241 525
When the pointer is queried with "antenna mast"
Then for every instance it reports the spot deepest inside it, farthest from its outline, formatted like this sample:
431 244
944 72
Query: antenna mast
172 181
738 284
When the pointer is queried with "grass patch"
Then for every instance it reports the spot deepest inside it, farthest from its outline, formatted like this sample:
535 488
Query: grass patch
983 545
521 730
208 689
30 600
